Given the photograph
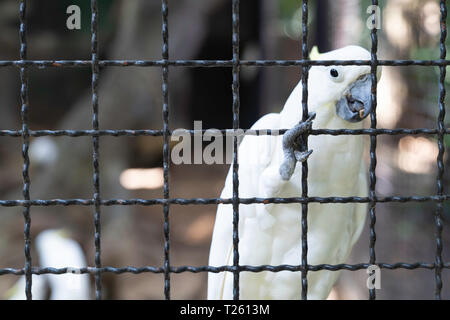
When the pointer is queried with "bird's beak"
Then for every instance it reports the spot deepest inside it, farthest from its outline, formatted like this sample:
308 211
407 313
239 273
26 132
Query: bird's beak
356 102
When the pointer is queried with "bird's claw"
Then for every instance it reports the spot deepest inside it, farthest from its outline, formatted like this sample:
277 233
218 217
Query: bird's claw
292 147
311 116
308 121
302 156
291 136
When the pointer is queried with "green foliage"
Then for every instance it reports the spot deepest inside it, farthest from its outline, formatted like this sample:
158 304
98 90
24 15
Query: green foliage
447 140
291 16
424 53
288 8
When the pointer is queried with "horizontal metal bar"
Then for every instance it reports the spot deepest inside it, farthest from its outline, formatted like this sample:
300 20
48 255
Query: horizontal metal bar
241 268
207 201
215 63
259 132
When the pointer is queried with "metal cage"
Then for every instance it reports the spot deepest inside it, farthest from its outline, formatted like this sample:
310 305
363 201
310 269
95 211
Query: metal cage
97 202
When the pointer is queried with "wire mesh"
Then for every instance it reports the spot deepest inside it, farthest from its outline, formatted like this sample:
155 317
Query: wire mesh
235 64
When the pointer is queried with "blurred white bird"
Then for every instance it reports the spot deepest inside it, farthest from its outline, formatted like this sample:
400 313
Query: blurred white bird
43 151
270 234
56 250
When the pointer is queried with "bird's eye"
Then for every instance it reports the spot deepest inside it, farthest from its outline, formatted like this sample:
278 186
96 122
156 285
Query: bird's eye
336 75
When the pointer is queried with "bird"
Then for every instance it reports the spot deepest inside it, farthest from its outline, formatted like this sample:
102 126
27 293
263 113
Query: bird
57 250
339 97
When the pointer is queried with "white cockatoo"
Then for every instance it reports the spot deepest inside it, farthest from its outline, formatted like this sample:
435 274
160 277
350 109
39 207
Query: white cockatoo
339 97
57 250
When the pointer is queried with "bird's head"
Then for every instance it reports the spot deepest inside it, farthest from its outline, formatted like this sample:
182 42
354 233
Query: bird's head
346 90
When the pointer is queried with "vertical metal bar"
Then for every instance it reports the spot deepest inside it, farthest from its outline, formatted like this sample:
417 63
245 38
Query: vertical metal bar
166 134
96 146
25 146
373 145
440 158
304 221
236 105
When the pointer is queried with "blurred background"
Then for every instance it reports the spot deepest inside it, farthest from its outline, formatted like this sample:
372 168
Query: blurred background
130 98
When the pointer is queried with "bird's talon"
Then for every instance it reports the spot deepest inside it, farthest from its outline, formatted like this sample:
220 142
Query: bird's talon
292 147
302 156
311 116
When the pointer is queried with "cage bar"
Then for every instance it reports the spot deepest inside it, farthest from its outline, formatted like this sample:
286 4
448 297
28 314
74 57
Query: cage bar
23 64
373 146
441 147
236 105
25 145
304 219
166 151
96 146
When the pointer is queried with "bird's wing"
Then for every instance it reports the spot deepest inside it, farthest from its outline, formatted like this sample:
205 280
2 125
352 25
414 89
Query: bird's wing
360 208
255 154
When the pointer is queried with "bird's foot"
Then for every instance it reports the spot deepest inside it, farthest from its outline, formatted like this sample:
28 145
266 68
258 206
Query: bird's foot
302 156
292 148
291 137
